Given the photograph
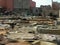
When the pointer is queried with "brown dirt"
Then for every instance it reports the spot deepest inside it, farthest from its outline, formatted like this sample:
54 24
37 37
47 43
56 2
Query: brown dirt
19 43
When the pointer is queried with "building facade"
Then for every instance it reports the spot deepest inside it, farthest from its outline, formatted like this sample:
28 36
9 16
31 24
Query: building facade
55 5
32 4
17 4
22 4
2 3
45 10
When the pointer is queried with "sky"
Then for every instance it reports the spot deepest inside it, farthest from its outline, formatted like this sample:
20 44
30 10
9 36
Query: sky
44 2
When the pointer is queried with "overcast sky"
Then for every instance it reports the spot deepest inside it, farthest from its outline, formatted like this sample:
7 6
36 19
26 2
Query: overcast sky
44 2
